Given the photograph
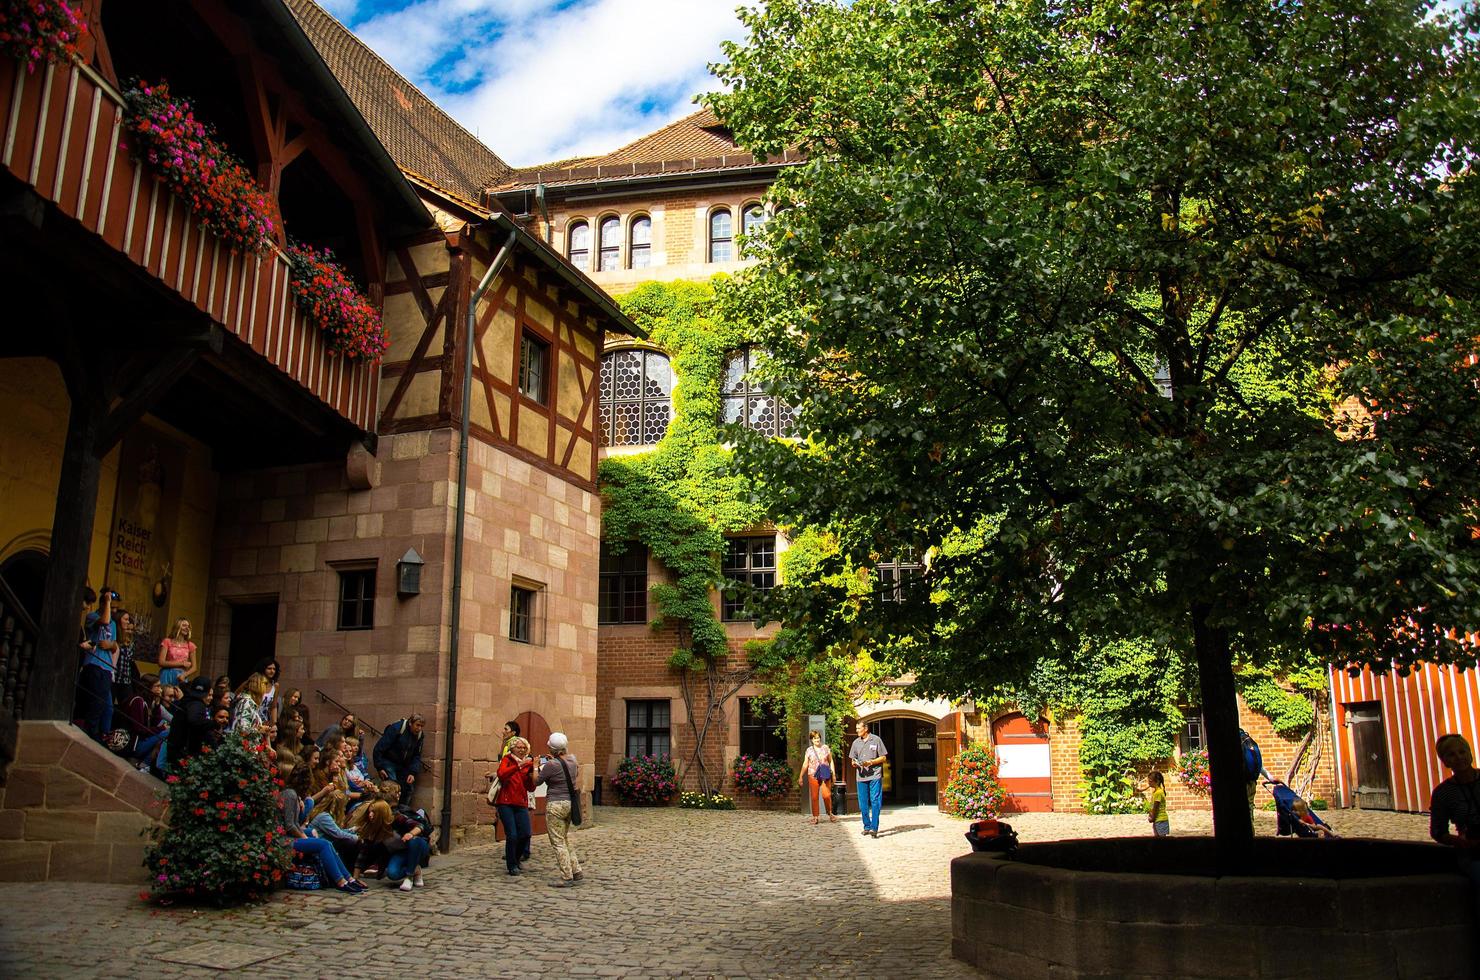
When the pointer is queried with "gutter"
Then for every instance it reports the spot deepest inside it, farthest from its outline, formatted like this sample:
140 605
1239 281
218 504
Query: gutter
470 327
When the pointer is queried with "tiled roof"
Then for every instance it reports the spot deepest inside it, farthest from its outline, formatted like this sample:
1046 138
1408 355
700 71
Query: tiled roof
693 144
419 136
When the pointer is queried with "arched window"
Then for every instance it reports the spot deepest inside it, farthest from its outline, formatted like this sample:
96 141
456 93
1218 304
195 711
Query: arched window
754 217
636 397
748 403
611 244
640 243
721 236
578 242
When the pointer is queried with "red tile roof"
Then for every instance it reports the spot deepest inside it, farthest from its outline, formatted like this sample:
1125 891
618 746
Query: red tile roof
420 137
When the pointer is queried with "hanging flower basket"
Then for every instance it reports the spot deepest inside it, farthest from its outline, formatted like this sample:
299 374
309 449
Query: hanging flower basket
164 135
34 31
328 297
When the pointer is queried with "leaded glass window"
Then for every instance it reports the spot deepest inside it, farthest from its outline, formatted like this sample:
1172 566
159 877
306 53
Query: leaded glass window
746 402
721 236
636 397
611 244
640 243
578 237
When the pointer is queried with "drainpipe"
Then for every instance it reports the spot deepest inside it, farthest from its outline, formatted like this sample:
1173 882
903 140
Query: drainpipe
457 534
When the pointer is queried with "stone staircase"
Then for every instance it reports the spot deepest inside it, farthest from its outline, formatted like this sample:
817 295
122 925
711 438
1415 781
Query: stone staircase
72 811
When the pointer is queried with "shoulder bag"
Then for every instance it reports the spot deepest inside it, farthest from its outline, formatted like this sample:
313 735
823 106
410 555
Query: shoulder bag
823 772
493 788
575 796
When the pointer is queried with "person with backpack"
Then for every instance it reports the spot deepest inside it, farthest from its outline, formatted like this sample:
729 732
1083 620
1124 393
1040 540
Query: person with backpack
1253 765
562 807
397 755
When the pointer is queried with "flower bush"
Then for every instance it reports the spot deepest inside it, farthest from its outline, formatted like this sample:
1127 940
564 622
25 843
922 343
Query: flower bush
326 295
647 780
974 791
762 776
222 840
706 801
1194 771
33 31
163 134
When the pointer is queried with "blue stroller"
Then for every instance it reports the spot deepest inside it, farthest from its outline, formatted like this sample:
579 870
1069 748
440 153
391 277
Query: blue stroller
1294 814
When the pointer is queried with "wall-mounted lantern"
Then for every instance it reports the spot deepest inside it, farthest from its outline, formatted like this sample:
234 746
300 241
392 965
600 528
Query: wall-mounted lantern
408 573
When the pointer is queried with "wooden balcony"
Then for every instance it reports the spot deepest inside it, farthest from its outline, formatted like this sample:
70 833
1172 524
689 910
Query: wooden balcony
61 129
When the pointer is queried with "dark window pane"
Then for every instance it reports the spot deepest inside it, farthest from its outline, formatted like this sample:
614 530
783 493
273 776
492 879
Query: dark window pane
357 599
623 585
534 355
648 731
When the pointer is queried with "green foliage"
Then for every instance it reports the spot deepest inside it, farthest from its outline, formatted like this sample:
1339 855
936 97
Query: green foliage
761 776
647 780
1290 714
706 801
974 791
1110 792
1015 214
222 840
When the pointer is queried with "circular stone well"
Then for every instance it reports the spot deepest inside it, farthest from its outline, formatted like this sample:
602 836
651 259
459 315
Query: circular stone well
1149 907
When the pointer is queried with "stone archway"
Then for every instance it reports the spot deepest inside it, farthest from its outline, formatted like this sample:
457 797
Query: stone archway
24 574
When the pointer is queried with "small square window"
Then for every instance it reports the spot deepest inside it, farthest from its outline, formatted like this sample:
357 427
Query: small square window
761 729
748 561
648 728
356 599
534 367
526 613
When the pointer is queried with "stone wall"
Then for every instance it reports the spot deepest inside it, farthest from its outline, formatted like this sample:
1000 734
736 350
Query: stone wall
72 811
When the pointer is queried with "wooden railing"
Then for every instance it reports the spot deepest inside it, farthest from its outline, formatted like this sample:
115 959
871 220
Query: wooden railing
61 130
18 634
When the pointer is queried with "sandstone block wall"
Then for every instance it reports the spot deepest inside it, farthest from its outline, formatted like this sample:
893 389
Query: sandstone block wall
72 811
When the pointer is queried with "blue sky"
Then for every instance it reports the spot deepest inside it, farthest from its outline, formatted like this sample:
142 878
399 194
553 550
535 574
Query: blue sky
540 80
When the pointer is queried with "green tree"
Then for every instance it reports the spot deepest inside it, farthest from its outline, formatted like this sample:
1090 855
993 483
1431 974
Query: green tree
1151 319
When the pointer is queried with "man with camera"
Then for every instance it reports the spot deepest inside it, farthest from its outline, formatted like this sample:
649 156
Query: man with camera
99 661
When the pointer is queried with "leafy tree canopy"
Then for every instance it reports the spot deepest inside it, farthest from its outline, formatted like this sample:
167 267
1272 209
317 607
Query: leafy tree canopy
1147 319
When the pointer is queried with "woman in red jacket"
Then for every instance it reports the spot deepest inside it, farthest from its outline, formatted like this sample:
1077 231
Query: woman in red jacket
516 779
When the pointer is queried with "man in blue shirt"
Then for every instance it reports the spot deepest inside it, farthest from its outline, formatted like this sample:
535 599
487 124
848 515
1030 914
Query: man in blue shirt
867 755
99 659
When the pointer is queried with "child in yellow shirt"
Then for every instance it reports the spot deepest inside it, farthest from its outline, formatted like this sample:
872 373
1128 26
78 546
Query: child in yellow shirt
1156 807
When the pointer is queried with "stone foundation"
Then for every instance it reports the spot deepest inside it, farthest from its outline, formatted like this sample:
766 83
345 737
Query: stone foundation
1152 908
72 811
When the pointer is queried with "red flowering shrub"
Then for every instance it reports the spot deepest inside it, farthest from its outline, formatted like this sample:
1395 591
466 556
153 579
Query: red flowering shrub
1194 771
325 293
974 790
762 776
163 134
222 840
33 31
648 780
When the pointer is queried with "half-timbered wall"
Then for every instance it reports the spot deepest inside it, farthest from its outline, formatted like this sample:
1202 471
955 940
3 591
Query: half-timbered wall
427 289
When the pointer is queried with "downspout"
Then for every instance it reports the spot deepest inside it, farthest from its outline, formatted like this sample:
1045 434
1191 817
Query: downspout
470 329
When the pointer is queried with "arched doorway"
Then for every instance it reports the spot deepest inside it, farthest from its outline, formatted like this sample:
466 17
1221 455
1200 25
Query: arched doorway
1024 763
910 770
24 574
536 730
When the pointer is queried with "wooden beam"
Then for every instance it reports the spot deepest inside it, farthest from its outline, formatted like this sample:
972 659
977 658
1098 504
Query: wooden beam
156 382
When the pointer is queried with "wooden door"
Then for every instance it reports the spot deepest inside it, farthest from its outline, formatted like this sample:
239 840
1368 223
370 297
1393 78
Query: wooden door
1023 763
947 744
1373 789
533 727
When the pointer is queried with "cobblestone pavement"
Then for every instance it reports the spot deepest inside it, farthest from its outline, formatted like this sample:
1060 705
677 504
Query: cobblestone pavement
667 893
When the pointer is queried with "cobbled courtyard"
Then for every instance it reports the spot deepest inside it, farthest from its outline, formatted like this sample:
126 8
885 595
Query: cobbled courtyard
668 893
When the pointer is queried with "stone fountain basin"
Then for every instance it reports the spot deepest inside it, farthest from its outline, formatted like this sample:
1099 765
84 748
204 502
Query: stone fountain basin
1148 907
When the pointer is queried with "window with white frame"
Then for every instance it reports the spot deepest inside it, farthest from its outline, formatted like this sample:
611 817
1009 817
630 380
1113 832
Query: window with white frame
640 243
721 235
636 401
609 239
578 245
898 577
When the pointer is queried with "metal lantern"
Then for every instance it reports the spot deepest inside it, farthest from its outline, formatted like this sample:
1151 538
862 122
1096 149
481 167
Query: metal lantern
408 573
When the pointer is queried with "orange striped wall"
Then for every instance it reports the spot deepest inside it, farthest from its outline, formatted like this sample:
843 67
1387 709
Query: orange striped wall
1416 710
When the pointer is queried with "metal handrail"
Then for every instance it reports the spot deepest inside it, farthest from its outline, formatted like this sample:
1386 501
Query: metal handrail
346 710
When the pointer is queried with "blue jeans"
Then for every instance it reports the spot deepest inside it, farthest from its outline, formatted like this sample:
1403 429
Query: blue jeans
870 799
517 833
96 706
331 868
404 863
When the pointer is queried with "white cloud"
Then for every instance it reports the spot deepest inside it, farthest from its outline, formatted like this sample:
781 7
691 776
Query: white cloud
552 82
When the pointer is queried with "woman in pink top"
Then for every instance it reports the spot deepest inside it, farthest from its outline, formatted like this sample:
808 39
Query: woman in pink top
817 771
177 661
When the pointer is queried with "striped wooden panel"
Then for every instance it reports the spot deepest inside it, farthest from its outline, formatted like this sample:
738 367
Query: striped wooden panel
1416 710
61 132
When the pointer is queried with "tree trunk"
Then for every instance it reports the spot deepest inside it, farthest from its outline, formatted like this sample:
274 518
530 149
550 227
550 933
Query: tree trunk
1233 825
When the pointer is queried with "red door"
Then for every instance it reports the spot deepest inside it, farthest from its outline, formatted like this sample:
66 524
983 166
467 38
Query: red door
534 728
1023 763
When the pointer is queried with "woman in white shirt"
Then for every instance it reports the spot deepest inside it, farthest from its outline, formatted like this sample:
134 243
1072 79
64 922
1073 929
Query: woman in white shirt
817 776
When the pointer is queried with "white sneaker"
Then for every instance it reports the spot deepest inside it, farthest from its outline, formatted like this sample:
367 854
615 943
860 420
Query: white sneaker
419 881
405 885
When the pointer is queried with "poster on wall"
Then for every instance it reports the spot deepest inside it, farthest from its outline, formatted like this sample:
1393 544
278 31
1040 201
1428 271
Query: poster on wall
141 546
